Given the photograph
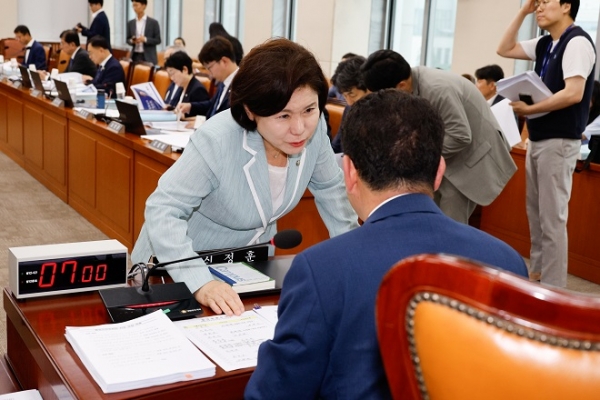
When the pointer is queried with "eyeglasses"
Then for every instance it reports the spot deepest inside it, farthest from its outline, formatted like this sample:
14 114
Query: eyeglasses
541 4
209 66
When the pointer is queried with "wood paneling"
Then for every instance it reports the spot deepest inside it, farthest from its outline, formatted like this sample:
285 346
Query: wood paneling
3 118
55 148
15 125
33 135
147 172
81 167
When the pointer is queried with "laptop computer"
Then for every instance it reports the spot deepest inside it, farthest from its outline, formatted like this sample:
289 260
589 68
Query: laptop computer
130 116
25 79
63 92
39 85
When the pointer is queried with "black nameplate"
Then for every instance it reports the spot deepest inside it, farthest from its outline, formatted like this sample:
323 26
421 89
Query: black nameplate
249 255
160 147
36 93
116 127
17 84
85 114
58 103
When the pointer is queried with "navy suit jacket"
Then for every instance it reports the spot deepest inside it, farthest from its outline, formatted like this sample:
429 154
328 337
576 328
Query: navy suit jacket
82 63
37 56
325 342
207 107
108 77
99 27
195 92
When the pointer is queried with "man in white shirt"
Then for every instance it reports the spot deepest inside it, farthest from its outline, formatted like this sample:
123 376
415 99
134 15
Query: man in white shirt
143 33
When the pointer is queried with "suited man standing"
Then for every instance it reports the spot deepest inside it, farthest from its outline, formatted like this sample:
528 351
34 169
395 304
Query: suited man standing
99 26
218 57
80 59
487 77
325 343
34 51
143 33
109 68
478 161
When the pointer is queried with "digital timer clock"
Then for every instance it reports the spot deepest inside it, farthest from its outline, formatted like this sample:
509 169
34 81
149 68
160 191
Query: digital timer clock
46 270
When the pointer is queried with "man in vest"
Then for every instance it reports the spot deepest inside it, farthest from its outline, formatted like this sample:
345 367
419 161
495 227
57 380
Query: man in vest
565 61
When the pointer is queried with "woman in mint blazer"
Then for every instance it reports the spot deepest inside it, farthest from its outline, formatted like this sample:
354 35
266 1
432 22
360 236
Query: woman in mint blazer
246 168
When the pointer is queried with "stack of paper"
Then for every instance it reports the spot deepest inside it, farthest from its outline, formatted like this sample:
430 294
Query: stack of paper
147 96
527 83
242 277
232 342
140 353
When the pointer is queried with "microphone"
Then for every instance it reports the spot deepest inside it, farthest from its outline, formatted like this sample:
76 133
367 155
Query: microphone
127 303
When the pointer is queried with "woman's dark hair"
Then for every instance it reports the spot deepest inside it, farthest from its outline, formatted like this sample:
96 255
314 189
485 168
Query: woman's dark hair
268 77
178 60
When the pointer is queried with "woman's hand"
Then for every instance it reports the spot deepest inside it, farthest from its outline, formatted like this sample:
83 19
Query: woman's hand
220 297
183 108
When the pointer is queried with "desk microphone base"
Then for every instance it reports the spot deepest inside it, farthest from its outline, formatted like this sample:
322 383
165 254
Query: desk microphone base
174 299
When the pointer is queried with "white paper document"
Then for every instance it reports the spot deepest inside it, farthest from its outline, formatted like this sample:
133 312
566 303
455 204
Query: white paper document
32 394
143 352
147 96
177 126
506 119
177 140
527 83
231 342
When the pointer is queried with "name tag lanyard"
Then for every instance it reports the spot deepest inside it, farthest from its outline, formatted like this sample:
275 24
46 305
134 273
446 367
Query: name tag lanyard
550 52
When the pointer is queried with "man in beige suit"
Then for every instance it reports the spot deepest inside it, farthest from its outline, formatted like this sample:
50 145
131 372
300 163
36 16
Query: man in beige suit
478 161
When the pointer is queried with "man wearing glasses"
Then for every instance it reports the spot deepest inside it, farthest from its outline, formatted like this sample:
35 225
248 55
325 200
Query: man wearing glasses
565 61
218 58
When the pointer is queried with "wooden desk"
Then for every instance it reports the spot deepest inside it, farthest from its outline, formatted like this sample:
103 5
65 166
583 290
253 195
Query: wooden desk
506 218
104 176
41 358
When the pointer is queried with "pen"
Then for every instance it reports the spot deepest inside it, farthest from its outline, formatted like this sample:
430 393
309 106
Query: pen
256 306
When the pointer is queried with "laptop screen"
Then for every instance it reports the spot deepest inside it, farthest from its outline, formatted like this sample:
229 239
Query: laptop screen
37 81
63 92
129 115
25 77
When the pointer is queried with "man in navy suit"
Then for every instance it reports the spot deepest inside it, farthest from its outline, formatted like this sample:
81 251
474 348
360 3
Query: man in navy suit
34 51
99 26
80 59
325 342
109 71
218 57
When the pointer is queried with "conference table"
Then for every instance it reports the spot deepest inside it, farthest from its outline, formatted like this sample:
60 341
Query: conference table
41 358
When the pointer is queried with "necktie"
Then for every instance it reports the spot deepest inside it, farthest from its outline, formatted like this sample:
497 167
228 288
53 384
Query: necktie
99 72
213 109
70 65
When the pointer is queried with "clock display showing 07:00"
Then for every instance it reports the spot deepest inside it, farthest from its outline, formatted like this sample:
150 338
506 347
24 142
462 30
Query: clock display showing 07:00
70 273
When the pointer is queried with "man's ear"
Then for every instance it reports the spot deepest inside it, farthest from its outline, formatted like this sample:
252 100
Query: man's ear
350 174
439 174
405 85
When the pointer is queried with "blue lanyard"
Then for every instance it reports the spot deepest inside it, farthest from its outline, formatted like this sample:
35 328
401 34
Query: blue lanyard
548 55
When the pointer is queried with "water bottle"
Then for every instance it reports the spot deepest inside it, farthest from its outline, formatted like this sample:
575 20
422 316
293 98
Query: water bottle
100 99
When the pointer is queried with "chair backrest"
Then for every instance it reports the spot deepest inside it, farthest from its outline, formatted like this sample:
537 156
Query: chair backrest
335 117
160 57
449 328
126 64
48 52
11 48
140 73
208 84
63 61
161 82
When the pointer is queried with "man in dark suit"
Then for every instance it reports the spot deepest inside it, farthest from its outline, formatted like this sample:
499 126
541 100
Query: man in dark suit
109 68
99 26
143 33
487 77
325 343
34 51
80 59
218 57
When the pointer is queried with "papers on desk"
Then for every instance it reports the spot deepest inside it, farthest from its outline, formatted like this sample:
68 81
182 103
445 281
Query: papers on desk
157 115
506 119
32 394
143 352
177 140
95 111
526 83
232 342
173 126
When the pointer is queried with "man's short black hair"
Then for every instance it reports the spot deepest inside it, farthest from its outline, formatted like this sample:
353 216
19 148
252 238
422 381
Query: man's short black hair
574 7
394 140
101 2
70 36
348 75
491 72
215 49
144 2
22 29
349 55
385 69
178 60
98 42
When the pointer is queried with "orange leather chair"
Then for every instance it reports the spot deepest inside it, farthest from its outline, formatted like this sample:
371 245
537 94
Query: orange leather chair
161 82
208 84
335 117
140 73
126 64
63 61
451 329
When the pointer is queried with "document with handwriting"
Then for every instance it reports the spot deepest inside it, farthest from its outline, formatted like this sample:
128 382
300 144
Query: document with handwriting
232 342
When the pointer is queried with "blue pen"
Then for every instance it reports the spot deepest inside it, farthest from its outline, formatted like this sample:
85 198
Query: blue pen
256 306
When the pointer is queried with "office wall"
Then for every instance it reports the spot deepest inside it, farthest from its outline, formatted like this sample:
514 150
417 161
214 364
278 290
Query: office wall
479 27
47 19
350 32
192 25
314 29
8 18
258 21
